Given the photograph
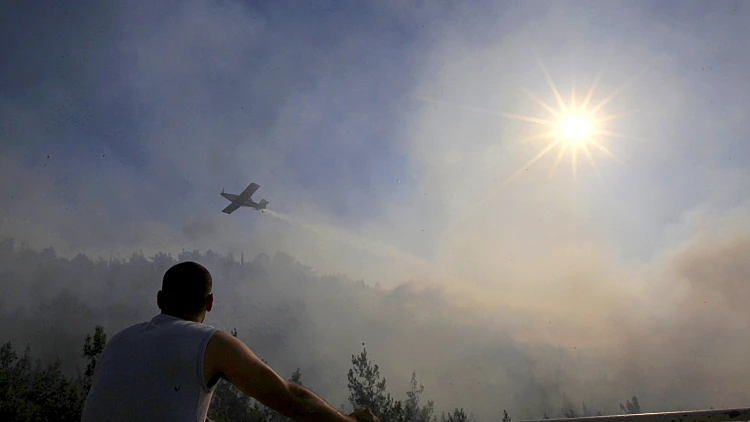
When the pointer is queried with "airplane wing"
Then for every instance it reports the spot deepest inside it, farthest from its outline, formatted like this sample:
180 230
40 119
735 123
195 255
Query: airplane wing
249 191
231 208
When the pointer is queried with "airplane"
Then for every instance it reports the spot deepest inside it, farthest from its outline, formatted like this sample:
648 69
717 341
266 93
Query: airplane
243 200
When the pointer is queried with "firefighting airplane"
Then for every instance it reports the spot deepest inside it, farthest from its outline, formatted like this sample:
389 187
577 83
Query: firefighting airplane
243 200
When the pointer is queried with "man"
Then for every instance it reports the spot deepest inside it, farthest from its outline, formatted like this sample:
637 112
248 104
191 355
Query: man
167 369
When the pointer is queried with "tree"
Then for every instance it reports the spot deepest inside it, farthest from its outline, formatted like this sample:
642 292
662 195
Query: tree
568 408
414 412
296 377
631 407
55 397
92 350
7 357
14 377
38 393
366 389
458 415
506 418
570 413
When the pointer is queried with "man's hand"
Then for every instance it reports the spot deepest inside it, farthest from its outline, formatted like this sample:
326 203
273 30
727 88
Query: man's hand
364 415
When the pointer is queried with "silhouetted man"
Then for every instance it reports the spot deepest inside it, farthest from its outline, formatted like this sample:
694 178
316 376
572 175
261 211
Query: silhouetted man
167 369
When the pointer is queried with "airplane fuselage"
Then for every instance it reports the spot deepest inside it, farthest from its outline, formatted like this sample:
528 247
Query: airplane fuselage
243 200
246 203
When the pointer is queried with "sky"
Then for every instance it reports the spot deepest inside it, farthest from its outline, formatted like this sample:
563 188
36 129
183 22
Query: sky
376 131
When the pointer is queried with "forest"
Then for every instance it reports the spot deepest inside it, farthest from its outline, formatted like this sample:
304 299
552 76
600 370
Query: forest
31 391
57 312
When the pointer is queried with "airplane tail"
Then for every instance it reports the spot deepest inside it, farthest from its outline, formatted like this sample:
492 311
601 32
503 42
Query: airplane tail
263 203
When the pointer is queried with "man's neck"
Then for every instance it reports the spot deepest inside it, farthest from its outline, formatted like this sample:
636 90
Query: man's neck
192 318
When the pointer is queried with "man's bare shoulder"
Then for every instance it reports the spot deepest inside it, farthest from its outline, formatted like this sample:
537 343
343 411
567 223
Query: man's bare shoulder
225 349
229 358
221 343
220 336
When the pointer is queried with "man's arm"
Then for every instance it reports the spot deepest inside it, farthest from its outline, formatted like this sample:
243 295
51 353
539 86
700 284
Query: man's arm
230 358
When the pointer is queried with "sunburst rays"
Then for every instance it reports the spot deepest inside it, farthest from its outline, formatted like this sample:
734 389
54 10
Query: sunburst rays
574 126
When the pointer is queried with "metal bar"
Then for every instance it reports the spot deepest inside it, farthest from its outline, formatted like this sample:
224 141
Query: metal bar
689 416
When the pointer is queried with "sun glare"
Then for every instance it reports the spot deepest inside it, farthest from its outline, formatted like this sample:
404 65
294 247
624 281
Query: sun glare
574 128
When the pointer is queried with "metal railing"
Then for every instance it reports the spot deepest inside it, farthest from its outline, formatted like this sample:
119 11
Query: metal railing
719 415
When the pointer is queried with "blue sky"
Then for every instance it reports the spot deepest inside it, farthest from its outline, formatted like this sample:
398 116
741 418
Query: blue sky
121 122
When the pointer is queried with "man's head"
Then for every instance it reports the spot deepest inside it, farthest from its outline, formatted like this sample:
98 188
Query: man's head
186 292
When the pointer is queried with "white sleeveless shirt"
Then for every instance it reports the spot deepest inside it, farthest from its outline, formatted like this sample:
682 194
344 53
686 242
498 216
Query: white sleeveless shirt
152 371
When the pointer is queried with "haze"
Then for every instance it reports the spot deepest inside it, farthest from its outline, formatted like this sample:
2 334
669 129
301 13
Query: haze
120 123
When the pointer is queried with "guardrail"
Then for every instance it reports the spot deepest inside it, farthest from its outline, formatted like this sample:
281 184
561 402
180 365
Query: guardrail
723 415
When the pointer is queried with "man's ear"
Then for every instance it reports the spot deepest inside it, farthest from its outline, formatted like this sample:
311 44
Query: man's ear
158 299
209 302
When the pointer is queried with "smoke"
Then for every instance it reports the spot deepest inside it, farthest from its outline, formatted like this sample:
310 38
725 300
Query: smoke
414 265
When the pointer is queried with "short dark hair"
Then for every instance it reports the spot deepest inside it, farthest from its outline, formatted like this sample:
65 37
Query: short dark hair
185 288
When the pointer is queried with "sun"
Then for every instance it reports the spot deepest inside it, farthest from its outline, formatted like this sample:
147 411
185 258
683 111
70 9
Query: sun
574 128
